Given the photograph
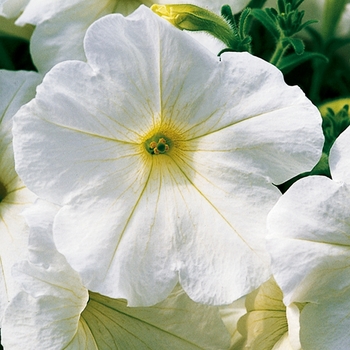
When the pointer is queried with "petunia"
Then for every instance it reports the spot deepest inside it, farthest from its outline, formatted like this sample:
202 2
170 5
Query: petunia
55 311
163 159
309 242
268 323
16 89
61 24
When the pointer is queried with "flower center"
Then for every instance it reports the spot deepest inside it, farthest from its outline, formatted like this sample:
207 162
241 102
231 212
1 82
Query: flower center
158 144
3 192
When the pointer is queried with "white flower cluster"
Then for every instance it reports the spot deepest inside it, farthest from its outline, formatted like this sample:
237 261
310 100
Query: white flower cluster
138 171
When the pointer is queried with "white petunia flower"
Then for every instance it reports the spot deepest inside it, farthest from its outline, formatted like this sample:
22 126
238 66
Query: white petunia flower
55 311
268 323
164 160
310 246
61 24
16 89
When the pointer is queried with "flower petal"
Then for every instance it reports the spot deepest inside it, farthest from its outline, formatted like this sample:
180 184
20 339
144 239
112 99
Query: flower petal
319 268
54 311
175 323
57 21
265 322
326 325
60 28
16 88
12 8
339 159
45 315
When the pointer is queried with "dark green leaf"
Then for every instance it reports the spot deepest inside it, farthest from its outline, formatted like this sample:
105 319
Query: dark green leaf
267 22
293 60
317 39
307 23
297 44
336 44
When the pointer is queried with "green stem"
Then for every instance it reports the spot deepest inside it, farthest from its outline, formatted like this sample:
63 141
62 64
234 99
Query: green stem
279 53
332 12
319 67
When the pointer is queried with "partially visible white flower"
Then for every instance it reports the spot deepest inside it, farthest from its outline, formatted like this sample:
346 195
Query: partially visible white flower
55 311
310 246
61 24
268 323
16 89
12 8
164 160
230 315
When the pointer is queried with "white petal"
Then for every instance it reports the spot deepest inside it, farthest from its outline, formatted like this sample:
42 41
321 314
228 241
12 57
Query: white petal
54 311
135 257
55 322
309 239
230 315
60 28
16 88
175 323
293 318
265 322
45 323
339 158
61 25
12 8
92 125
46 315
326 325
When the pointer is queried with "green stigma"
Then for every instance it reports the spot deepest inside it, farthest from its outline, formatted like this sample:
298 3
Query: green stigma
158 144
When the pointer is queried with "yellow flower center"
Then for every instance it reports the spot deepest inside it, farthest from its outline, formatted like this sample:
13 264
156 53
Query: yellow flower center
158 144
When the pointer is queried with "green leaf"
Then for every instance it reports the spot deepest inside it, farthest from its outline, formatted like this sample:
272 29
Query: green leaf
266 20
281 6
293 60
307 23
226 12
335 44
316 38
244 23
297 44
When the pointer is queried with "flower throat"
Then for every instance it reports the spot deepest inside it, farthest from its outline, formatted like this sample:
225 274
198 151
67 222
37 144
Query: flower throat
158 144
